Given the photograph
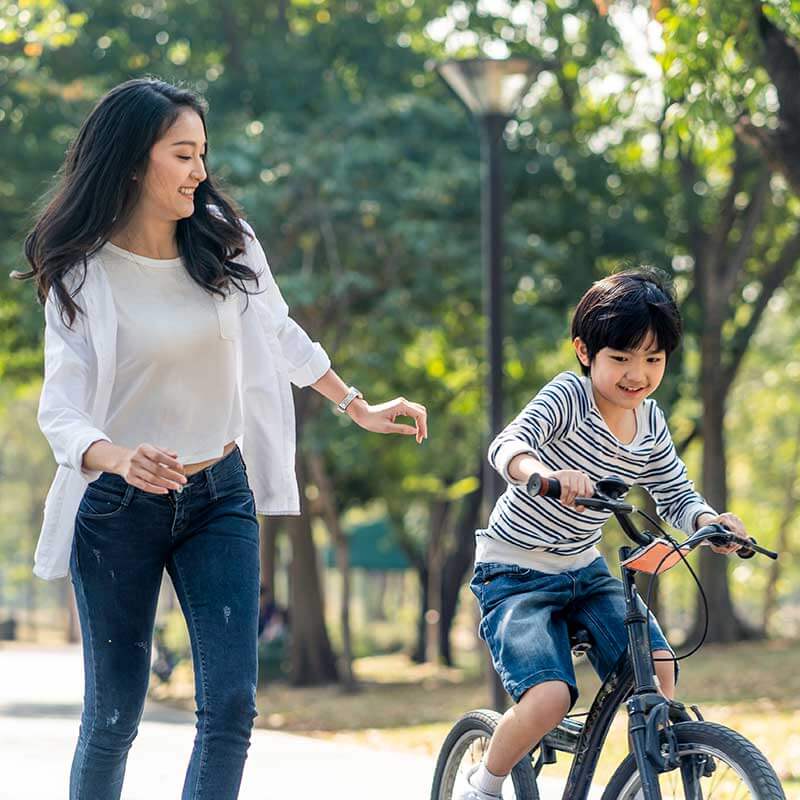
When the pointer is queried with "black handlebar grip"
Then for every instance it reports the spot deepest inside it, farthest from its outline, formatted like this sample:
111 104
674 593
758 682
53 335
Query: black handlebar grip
746 552
539 486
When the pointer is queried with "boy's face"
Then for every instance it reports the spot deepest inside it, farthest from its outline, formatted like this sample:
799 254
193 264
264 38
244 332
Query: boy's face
625 377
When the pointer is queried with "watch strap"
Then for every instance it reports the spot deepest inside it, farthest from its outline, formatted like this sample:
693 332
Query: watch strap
351 395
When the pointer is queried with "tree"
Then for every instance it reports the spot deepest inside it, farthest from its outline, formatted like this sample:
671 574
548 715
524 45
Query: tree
743 224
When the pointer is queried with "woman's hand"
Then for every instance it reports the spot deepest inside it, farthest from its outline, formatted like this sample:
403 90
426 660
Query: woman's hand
152 469
381 418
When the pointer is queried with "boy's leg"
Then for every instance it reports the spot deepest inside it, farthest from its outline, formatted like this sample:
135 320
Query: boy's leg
665 671
529 643
601 609
539 710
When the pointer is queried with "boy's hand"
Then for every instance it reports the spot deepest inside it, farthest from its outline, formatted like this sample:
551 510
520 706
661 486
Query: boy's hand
729 521
574 483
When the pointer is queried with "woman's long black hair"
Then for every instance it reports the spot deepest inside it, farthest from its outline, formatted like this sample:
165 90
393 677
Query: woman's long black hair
94 195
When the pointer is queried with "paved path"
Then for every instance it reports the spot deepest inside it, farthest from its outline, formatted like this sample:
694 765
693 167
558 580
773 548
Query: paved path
40 705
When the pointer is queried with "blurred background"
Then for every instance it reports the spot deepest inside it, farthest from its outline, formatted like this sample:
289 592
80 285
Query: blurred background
664 132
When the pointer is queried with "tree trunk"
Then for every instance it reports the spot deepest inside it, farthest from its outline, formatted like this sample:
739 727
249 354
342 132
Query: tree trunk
458 561
420 566
312 660
724 625
720 254
331 516
269 551
439 523
420 654
782 545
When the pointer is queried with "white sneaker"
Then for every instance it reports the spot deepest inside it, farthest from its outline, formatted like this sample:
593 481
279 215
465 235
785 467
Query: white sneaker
469 792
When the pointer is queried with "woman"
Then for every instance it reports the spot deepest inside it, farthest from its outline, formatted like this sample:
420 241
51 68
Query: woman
168 359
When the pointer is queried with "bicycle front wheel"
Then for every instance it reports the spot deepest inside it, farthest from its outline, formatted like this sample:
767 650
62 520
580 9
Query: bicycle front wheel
716 763
463 750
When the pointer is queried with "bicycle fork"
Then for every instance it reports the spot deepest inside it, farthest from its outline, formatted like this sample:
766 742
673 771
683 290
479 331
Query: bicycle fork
641 708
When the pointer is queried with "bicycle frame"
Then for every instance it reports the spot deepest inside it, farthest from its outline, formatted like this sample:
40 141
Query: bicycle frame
630 682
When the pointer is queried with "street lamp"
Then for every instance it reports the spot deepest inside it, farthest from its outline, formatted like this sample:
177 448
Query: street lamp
492 89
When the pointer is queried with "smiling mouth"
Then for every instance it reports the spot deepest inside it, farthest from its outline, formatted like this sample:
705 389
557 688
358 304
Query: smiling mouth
186 192
629 390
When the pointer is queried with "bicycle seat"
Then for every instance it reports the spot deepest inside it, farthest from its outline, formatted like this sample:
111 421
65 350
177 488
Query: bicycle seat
580 641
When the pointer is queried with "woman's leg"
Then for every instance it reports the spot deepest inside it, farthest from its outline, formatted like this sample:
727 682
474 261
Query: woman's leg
215 570
116 575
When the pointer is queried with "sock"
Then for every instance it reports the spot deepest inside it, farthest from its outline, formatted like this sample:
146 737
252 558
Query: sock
487 782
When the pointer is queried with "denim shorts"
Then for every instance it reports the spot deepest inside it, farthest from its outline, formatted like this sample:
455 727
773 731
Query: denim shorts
524 622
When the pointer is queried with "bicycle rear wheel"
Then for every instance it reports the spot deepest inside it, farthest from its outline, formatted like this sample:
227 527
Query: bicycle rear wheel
716 764
464 748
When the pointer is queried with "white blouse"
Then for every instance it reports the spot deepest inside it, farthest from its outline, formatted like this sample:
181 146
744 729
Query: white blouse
80 367
175 384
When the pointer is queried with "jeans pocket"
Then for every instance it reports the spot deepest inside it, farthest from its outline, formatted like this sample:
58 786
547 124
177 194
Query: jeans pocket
102 503
486 571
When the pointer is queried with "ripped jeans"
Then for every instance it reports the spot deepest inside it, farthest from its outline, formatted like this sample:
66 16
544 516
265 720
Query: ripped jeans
206 536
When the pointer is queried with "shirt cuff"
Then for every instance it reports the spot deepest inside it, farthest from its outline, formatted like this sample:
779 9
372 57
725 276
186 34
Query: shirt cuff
87 441
313 369
695 512
506 452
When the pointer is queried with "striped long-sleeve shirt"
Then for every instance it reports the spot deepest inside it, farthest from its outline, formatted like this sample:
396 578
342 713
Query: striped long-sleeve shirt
563 428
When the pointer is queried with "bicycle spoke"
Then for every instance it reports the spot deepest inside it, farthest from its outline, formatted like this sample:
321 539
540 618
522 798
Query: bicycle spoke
690 781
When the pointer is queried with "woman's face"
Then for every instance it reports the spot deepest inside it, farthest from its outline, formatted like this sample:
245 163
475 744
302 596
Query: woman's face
176 168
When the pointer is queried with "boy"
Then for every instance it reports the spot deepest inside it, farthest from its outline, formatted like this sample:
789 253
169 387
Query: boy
537 563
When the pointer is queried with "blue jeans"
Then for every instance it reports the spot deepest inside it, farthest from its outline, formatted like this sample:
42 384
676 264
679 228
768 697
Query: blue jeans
524 617
206 536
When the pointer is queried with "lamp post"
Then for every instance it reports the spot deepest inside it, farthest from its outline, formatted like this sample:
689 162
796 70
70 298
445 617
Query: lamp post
492 89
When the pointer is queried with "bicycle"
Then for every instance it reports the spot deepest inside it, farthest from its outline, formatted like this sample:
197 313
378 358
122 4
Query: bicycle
672 754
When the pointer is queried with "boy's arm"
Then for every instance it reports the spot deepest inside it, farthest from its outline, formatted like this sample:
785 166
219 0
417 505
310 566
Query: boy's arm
543 419
523 465
574 483
549 416
666 480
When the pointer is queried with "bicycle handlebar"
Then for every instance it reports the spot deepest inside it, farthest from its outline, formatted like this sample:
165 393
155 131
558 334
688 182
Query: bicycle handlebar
608 500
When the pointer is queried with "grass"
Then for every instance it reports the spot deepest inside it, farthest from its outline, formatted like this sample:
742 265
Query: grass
751 687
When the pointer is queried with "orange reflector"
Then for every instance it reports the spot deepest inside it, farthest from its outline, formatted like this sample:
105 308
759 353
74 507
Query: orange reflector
658 552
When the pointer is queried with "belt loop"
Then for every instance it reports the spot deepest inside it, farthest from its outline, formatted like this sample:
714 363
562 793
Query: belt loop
212 489
126 500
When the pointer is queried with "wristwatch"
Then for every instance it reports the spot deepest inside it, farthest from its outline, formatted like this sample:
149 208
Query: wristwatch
351 395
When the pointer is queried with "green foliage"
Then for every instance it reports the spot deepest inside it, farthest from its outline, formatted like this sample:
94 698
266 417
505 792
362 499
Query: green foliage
361 174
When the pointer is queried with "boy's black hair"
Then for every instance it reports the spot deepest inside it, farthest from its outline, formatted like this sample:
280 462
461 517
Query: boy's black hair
622 310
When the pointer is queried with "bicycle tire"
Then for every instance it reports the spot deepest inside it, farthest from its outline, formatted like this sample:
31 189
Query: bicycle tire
718 741
472 725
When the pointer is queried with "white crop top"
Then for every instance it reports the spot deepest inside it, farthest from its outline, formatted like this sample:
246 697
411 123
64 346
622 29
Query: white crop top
175 385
